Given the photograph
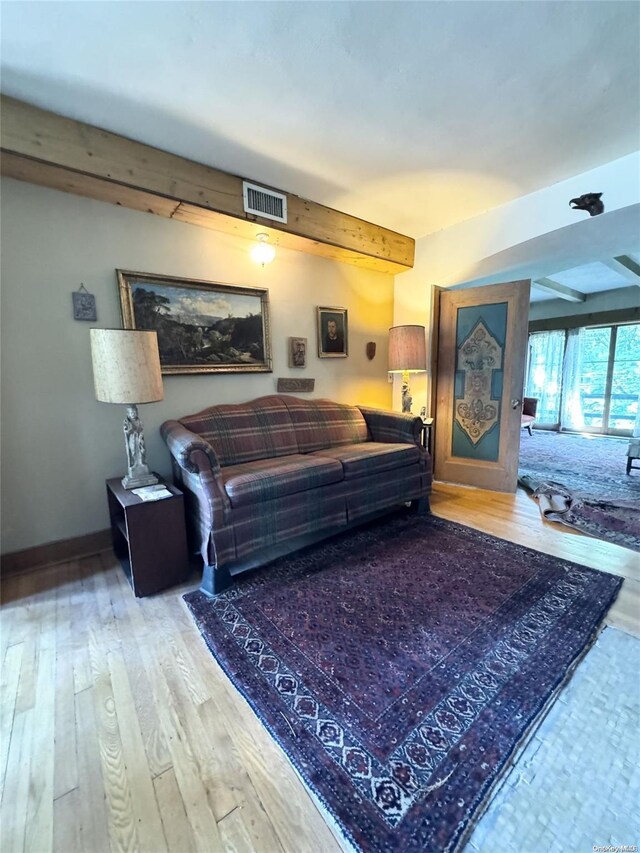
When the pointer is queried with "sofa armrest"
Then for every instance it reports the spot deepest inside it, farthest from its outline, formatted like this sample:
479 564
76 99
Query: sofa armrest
393 426
184 446
200 473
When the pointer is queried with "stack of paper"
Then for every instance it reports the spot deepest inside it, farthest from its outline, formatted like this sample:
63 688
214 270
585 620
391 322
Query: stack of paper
152 493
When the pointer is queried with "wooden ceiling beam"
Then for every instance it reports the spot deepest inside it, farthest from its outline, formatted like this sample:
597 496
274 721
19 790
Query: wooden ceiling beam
44 148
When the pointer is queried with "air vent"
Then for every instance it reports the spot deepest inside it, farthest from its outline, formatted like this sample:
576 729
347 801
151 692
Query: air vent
265 203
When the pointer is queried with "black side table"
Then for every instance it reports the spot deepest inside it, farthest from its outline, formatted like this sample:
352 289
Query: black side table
149 538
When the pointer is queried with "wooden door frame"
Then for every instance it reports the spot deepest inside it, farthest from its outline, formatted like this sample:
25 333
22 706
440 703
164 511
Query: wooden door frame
436 292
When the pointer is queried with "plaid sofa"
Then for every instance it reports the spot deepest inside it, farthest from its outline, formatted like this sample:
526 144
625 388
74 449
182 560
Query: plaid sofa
269 476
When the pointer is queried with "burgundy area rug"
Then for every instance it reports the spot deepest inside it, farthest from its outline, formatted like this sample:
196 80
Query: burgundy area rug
400 665
581 481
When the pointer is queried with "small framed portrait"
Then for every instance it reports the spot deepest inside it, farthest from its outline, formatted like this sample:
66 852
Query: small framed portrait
333 332
297 352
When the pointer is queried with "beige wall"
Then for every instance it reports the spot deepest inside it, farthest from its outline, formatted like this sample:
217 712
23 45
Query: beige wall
58 443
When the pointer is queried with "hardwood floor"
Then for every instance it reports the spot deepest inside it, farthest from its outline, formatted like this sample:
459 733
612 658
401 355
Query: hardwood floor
120 732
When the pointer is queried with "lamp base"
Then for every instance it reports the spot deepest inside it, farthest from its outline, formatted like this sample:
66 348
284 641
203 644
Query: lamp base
136 482
138 473
407 399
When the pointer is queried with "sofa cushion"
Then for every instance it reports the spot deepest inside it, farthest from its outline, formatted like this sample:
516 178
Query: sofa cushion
359 460
323 423
261 429
267 479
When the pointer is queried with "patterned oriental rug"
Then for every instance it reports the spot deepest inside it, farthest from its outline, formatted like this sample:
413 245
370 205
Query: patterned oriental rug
400 666
581 481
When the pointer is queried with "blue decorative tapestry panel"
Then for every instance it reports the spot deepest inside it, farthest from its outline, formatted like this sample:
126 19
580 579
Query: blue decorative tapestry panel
480 340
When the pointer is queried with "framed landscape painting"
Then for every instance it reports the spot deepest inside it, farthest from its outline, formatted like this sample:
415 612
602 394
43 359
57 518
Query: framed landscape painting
202 326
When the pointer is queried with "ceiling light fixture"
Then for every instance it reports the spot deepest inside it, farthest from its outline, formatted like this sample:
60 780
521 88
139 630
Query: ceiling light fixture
263 252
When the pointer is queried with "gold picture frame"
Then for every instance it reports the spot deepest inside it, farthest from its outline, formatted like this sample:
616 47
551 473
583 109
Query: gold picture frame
202 326
333 332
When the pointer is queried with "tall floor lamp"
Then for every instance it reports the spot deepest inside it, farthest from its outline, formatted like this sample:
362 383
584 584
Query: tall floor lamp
126 370
407 354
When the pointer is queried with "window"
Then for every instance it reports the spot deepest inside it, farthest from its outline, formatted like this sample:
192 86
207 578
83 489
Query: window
544 375
592 379
587 379
625 378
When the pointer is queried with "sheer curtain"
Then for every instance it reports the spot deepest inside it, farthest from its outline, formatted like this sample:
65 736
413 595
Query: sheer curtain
544 374
571 414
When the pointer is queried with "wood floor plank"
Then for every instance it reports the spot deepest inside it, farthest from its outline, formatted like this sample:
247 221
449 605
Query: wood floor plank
177 830
181 654
66 763
47 580
235 836
39 830
257 823
222 799
84 613
15 794
26 697
8 694
625 612
133 631
145 807
109 639
186 753
187 769
92 811
233 774
123 824
66 827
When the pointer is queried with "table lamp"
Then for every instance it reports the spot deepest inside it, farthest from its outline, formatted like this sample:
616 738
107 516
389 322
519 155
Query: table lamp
126 370
407 354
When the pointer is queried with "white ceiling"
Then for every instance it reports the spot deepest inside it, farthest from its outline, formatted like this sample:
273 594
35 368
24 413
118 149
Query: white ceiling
413 115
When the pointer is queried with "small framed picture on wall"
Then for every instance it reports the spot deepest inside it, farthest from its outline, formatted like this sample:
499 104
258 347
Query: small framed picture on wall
332 332
297 352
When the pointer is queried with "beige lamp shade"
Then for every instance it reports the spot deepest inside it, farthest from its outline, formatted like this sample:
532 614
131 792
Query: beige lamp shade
407 349
126 366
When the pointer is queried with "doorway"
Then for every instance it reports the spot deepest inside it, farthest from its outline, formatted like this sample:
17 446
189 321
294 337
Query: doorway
482 345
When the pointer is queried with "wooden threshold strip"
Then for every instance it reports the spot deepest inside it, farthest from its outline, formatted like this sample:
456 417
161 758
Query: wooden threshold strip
44 148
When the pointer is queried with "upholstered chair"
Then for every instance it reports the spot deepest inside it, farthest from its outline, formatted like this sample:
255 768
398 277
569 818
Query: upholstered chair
529 409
